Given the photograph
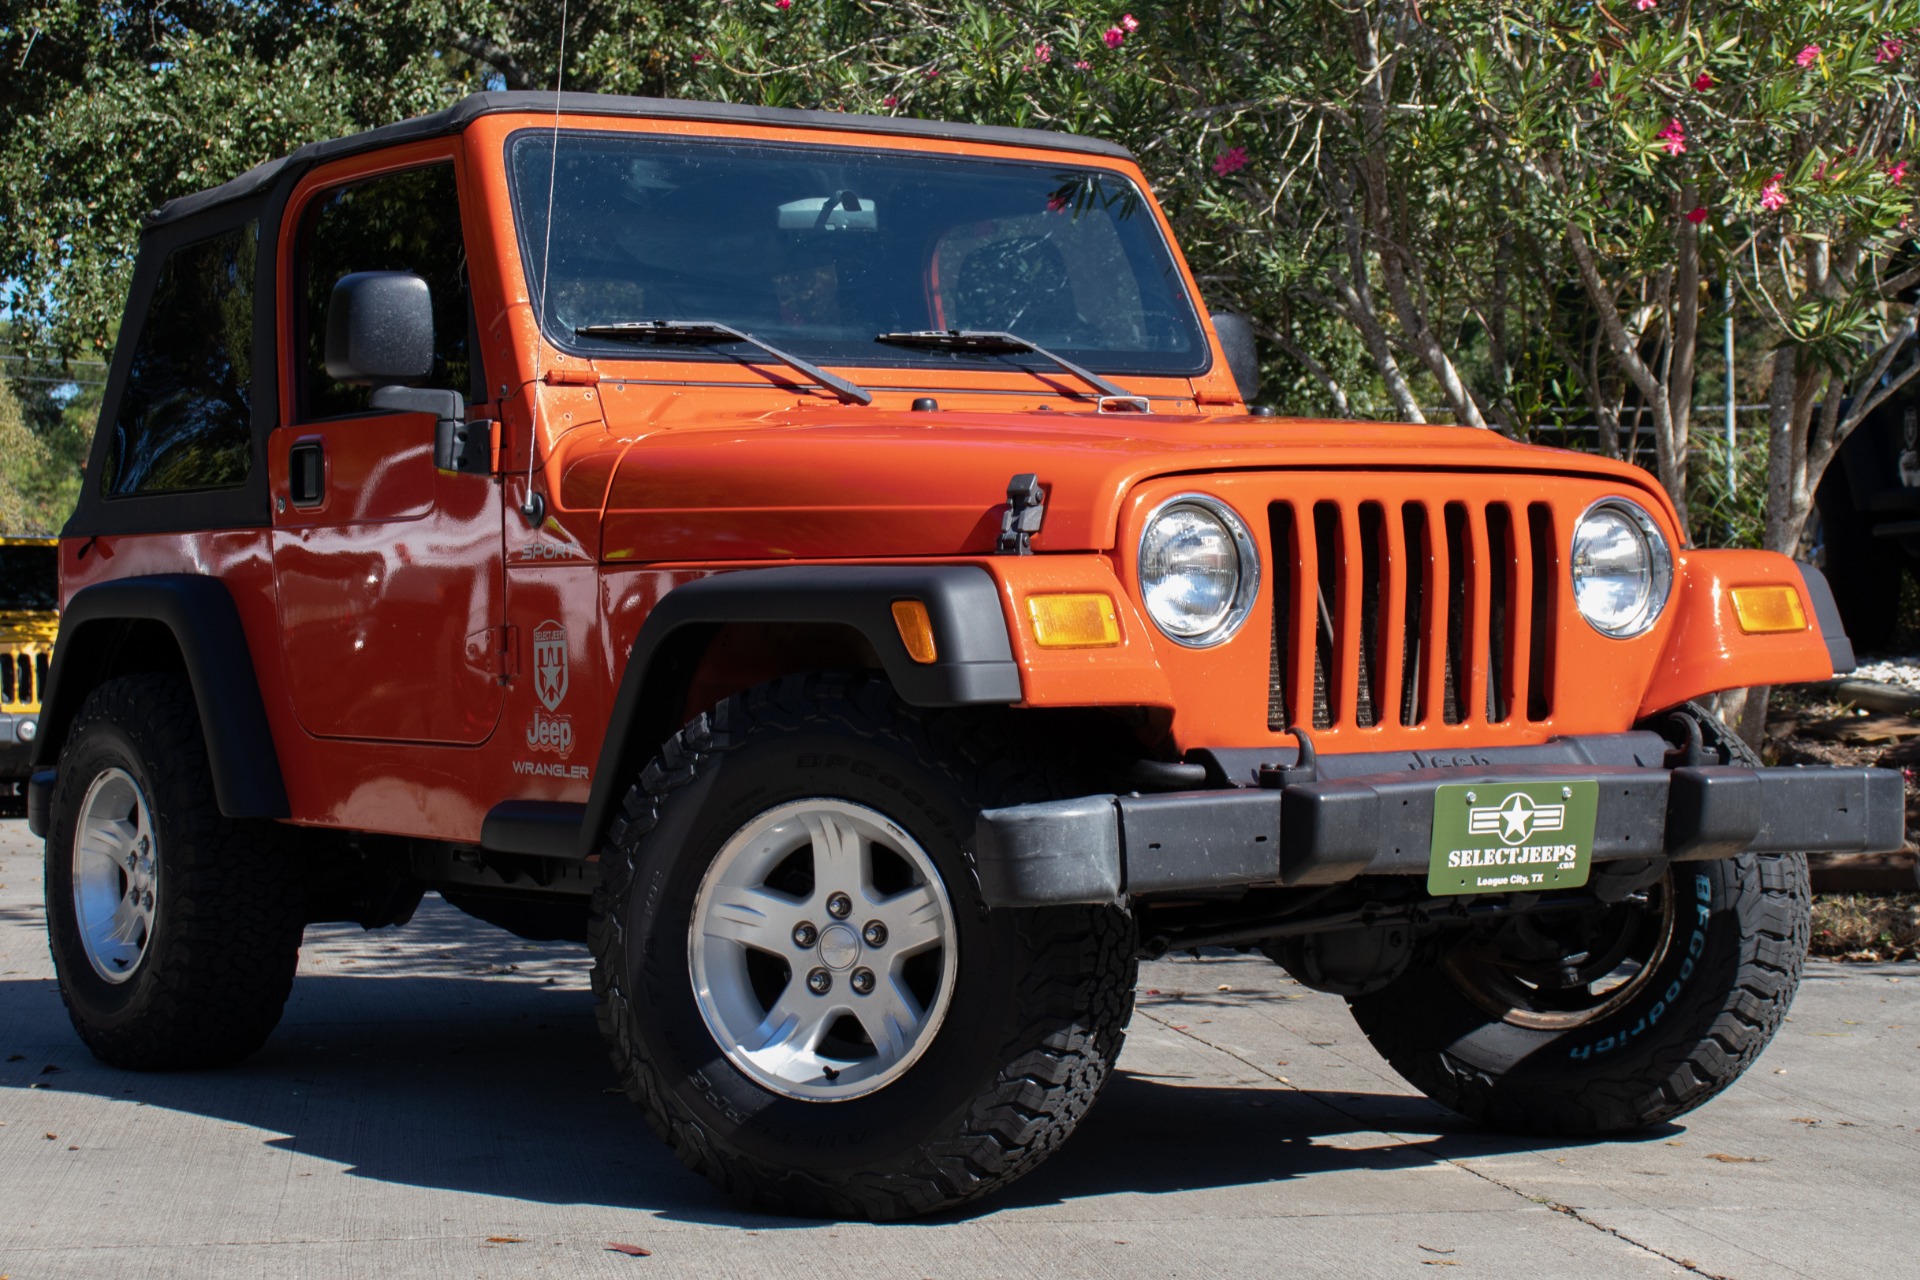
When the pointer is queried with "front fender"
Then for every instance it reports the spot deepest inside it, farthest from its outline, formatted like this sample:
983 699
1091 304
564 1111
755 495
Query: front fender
1706 650
974 665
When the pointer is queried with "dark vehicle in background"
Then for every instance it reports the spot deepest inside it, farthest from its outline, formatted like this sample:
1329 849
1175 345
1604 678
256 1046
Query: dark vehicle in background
29 621
1869 505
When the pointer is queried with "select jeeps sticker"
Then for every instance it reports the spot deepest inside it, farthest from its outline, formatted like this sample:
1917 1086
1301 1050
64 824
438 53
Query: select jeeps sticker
548 730
1511 837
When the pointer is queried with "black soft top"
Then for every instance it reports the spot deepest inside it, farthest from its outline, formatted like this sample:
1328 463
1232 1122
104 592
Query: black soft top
453 119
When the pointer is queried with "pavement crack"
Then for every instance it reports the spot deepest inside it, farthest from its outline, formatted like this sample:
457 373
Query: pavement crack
1685 1264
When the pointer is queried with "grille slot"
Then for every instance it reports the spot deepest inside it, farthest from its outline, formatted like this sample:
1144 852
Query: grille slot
1327 598
1435 613
1280 525
1546 577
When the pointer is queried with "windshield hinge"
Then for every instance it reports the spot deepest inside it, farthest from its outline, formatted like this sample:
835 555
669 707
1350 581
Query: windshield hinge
495 651
1026 508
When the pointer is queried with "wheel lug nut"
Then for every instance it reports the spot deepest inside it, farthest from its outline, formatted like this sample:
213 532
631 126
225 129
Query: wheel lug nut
148 904
875 934
839 906
861 981
819 982
805 935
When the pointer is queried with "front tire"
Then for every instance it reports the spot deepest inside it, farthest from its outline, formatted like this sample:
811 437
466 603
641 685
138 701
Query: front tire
735 922
175 931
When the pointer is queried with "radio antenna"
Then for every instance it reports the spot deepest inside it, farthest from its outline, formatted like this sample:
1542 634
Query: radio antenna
534 508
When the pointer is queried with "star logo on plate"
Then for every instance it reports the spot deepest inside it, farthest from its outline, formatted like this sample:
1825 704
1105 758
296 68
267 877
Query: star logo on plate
1517 819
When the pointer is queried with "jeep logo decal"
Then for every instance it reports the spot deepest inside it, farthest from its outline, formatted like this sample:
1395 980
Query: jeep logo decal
550 663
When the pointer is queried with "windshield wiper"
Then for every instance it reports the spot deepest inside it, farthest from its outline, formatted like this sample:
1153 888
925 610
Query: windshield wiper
710 331
990 342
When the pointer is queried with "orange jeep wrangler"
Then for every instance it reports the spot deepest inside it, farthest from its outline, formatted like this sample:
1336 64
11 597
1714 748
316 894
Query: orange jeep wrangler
829 564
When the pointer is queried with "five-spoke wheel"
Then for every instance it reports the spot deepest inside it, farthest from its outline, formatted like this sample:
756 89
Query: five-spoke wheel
822 950
115 875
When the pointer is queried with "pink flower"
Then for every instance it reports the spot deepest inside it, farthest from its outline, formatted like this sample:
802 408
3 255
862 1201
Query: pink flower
1232 160
1130 23
1889 51
933 73
1083 65
1644 5
1114 37
1807 56
1703 82
1059 202
699 57
889 101
1599 78
1771 198
783 4
1697 216
1674 137
1043 52
1897 173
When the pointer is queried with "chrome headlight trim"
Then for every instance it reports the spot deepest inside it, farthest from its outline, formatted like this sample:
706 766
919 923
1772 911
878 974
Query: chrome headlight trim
1246 590
1660 558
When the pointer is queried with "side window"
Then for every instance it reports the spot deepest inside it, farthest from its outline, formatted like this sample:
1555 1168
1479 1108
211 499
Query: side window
408 221
185 416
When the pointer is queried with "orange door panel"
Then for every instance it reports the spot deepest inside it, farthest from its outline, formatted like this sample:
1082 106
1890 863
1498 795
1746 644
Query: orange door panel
388 575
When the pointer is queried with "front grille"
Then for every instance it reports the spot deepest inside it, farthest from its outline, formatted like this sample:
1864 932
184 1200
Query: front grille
23 676
1411 612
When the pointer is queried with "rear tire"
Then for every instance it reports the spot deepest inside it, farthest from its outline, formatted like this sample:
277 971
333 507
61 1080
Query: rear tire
1015 1017
175 931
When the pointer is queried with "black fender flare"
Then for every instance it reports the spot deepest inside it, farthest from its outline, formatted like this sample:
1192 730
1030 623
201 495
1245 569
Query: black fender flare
200 613
974 665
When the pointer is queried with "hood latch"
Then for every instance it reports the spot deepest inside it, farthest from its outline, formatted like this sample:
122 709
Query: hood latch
1026 508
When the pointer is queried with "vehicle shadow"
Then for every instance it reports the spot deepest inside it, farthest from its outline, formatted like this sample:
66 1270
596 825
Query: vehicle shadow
465 1060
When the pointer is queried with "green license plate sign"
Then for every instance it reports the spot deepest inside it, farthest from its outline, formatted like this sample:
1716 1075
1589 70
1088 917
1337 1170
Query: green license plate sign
1511 837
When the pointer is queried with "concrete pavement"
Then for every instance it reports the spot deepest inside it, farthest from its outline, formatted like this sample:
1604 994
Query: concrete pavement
436 1104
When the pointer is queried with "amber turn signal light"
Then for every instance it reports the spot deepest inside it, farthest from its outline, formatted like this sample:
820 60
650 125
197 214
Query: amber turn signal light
1764 609
1079 621
916 630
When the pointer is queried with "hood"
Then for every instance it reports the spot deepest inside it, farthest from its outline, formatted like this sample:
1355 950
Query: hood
28 626
832 483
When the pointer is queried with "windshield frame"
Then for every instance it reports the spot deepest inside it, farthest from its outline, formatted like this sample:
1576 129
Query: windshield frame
883 357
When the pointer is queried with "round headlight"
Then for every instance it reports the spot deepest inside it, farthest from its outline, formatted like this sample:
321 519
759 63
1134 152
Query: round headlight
1622 569
1199 570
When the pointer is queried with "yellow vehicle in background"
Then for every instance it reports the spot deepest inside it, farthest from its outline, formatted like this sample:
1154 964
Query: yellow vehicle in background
29 620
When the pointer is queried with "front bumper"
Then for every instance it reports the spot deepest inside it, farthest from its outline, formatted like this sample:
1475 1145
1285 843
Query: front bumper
1097 848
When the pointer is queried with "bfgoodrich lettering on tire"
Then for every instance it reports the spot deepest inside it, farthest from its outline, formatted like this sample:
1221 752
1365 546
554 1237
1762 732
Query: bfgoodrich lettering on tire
175 931
799 982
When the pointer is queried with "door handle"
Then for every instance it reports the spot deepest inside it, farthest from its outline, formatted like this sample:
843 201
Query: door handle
307 474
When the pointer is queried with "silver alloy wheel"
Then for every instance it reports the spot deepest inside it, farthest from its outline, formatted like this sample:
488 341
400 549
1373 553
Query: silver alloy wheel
854 911
115 875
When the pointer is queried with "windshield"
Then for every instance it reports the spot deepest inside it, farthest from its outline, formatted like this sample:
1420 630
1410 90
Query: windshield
819 249
29 577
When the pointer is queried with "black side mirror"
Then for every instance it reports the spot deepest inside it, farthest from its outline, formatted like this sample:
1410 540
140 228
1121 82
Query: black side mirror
1243 356
380 332
380 328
